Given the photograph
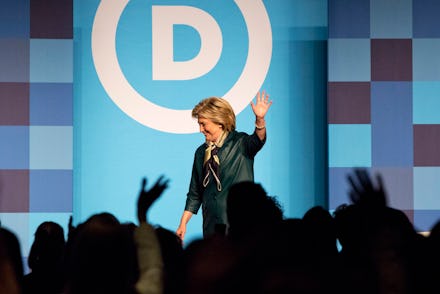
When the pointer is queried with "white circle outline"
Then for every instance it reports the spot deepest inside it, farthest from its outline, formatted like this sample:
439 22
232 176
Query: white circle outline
164 119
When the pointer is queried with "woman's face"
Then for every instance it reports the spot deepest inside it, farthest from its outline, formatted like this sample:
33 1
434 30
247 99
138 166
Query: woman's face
211 130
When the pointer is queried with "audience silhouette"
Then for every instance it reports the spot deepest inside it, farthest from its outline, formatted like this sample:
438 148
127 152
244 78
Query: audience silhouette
364 246
11 266
101 257
46 260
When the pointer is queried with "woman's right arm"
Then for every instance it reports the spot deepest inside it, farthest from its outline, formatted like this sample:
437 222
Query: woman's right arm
193 199
181 230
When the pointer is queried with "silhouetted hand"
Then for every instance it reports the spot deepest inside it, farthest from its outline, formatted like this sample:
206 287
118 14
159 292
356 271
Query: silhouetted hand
148 197
71 228
364 192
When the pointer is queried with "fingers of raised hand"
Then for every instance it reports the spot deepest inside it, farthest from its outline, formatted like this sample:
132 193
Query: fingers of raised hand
144 184
262 97
161 183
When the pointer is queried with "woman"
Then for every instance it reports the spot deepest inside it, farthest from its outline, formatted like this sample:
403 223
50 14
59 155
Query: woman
226 157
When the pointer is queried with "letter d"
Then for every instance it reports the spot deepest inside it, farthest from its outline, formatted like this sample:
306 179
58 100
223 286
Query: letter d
163 64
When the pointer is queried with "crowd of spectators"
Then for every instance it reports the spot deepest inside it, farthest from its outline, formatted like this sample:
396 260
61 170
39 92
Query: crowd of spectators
364 246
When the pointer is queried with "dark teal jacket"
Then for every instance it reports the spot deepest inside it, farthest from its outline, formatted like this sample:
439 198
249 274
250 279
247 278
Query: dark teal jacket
236 165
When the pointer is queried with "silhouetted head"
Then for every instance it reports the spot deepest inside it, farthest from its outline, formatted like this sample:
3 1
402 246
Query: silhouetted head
103 257
349 226
321 230
11 266
47 250
434 235
250 208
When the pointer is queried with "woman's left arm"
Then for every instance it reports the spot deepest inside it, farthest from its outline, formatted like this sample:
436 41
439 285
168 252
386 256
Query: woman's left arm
260 108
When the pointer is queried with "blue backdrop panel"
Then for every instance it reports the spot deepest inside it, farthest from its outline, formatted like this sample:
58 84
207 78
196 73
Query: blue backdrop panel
115 145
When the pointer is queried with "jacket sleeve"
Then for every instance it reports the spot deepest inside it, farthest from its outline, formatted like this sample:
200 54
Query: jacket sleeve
253 144
194 195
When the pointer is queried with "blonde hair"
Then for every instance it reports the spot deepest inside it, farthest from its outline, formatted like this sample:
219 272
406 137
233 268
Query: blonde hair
218 110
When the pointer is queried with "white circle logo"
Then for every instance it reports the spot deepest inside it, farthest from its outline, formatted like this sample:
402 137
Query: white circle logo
164 119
